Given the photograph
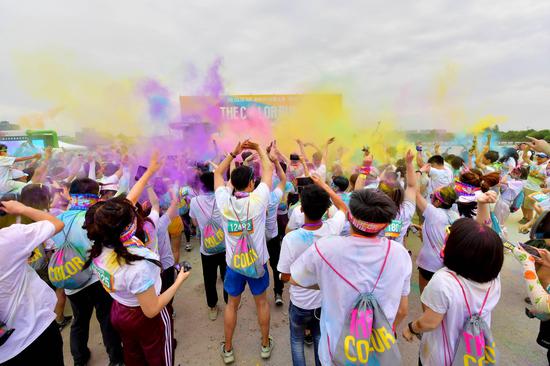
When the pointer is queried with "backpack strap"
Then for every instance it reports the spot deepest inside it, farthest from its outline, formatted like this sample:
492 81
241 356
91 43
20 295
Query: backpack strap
465 298
344 278
243 229
203 211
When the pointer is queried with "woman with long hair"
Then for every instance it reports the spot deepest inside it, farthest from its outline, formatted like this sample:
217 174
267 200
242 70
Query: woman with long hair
130 272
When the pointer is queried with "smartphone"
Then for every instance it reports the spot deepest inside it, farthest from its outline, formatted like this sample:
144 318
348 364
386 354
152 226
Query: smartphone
185 266
140 171
531 250
294 157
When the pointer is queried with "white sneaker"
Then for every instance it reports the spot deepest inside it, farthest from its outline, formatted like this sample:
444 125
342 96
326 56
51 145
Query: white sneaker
213 313
279 300
227 356
266 351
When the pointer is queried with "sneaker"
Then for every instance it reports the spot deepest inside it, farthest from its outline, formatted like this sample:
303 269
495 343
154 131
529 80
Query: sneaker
308 339
227 356
213 313
523 221
188 247
278 300
66 321
266 351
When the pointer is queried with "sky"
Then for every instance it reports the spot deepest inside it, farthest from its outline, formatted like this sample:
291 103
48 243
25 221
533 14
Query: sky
420 61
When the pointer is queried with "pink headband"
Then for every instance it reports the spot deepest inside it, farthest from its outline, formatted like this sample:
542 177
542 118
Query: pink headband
438 196
365 226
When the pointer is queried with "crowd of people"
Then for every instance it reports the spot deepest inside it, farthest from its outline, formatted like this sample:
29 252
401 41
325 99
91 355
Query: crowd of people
82 227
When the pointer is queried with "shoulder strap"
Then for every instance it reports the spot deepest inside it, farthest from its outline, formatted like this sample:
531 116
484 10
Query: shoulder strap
200 206
66 233
243 228
344 278
465 298
154 261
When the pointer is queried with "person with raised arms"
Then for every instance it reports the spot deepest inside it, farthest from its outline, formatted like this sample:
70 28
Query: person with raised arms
243 211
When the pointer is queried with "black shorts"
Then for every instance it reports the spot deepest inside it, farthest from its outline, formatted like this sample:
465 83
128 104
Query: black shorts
543 339
427 275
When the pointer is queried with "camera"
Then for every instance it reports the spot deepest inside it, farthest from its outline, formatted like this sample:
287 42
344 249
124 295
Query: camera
185 266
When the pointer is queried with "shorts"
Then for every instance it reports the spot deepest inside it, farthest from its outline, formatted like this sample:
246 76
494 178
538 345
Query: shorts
543 339
427 275
176 227
235 282
528 202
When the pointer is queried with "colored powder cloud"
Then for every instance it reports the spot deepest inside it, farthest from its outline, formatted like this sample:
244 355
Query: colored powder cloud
89 98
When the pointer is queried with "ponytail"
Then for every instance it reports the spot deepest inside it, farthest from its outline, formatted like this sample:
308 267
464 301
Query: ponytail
489 180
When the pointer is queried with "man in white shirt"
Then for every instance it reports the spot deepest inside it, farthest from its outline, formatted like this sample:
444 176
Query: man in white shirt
243 210
7 184
305 304
359 258
27 303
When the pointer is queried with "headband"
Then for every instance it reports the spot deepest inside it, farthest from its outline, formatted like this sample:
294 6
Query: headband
439 198
365 226
82 202
129 231
465 189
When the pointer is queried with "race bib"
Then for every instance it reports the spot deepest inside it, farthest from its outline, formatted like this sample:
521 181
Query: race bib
394 229
235 228
106 279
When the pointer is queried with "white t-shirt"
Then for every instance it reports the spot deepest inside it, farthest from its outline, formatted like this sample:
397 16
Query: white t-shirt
271 228
436 221
444 296
164 245
402 221
6 163
110 183
321 171
205 202
295 244
252 207
151 231
124 281
439 178
34 313
359 260
297 218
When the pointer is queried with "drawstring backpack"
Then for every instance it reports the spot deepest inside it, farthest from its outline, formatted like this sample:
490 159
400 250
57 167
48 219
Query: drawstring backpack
212 234
517 202
245 260
476 346
367 337
65 267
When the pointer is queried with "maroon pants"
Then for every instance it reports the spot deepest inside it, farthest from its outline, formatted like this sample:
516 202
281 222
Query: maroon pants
146 341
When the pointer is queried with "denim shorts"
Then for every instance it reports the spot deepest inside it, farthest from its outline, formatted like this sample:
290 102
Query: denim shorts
235 283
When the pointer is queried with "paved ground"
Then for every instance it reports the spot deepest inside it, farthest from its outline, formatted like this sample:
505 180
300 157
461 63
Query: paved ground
199 338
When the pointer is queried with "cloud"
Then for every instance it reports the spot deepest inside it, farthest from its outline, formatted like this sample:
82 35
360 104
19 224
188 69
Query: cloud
382 56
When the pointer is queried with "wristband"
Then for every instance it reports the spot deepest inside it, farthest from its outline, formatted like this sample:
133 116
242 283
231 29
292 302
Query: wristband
419 148
419 171
233 155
